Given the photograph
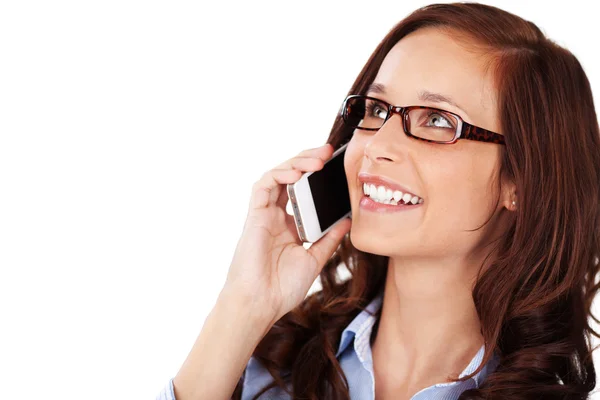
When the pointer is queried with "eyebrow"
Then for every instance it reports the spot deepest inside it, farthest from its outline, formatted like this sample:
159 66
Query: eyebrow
424 95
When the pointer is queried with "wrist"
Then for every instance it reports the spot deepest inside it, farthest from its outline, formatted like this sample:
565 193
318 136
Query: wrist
250 308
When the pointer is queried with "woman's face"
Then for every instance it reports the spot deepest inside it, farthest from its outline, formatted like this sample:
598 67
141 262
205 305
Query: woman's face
456 181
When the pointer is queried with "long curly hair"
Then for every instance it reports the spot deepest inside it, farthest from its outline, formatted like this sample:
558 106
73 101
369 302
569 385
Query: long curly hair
534 301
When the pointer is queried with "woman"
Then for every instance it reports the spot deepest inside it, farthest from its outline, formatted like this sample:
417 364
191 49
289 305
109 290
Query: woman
480 289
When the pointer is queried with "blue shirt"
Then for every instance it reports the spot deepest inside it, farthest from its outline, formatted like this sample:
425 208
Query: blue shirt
357 363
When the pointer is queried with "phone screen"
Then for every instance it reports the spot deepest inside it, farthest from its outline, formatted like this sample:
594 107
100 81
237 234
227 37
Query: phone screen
329 188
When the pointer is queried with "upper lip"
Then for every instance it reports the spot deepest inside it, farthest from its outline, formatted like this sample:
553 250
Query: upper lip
365 177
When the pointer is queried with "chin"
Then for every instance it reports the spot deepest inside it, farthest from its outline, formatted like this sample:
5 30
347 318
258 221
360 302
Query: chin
368 243
384 244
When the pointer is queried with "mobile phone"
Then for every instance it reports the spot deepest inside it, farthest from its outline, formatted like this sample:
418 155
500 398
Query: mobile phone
320 198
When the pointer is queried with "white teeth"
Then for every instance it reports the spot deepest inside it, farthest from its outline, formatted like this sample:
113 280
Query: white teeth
372 190
383 195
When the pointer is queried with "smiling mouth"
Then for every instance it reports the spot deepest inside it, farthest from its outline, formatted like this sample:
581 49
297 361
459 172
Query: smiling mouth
384 195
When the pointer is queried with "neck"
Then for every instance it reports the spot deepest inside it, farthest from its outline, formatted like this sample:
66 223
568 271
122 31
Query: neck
429 327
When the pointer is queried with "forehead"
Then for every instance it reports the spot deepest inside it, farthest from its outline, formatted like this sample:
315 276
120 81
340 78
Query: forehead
432 60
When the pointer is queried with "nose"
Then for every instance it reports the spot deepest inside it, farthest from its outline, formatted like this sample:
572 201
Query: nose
387 144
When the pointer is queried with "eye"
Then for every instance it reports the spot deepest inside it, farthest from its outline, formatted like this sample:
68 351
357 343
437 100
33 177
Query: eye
439 117
376 110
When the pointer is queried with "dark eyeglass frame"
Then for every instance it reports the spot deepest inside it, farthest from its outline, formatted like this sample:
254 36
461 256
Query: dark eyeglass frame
464 130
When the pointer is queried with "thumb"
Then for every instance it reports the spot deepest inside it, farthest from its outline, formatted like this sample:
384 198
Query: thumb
323 248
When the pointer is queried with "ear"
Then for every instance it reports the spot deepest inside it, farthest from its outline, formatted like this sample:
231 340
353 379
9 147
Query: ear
508 195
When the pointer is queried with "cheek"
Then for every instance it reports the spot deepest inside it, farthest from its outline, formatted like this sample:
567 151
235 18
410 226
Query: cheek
462 193
352 160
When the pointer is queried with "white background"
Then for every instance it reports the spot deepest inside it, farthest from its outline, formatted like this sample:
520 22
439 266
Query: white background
131 134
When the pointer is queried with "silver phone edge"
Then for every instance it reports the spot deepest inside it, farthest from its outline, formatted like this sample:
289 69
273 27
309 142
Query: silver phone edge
295 210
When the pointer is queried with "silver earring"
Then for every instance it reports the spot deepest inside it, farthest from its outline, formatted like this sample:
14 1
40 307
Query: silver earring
514 204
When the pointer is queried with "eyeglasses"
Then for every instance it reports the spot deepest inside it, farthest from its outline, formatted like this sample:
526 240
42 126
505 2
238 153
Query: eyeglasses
420 122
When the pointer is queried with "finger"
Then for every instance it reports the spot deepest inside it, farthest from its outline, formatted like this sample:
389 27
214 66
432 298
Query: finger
323 152
266 191
307 163
303 164
282 201
297 164
323 248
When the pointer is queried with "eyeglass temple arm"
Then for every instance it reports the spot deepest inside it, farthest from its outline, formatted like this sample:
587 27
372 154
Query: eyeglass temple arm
483 135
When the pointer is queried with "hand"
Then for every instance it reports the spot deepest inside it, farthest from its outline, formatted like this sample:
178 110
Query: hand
270 267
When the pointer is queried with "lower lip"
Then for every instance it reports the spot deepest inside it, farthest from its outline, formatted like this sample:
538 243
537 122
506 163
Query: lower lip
366 203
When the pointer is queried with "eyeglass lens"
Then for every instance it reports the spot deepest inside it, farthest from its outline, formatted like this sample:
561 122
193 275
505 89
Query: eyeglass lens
424 122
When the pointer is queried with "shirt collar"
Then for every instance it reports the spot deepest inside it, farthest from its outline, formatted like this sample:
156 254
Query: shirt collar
360 322
362 325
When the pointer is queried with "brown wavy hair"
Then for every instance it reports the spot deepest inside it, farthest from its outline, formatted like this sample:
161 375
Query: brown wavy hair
547 260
